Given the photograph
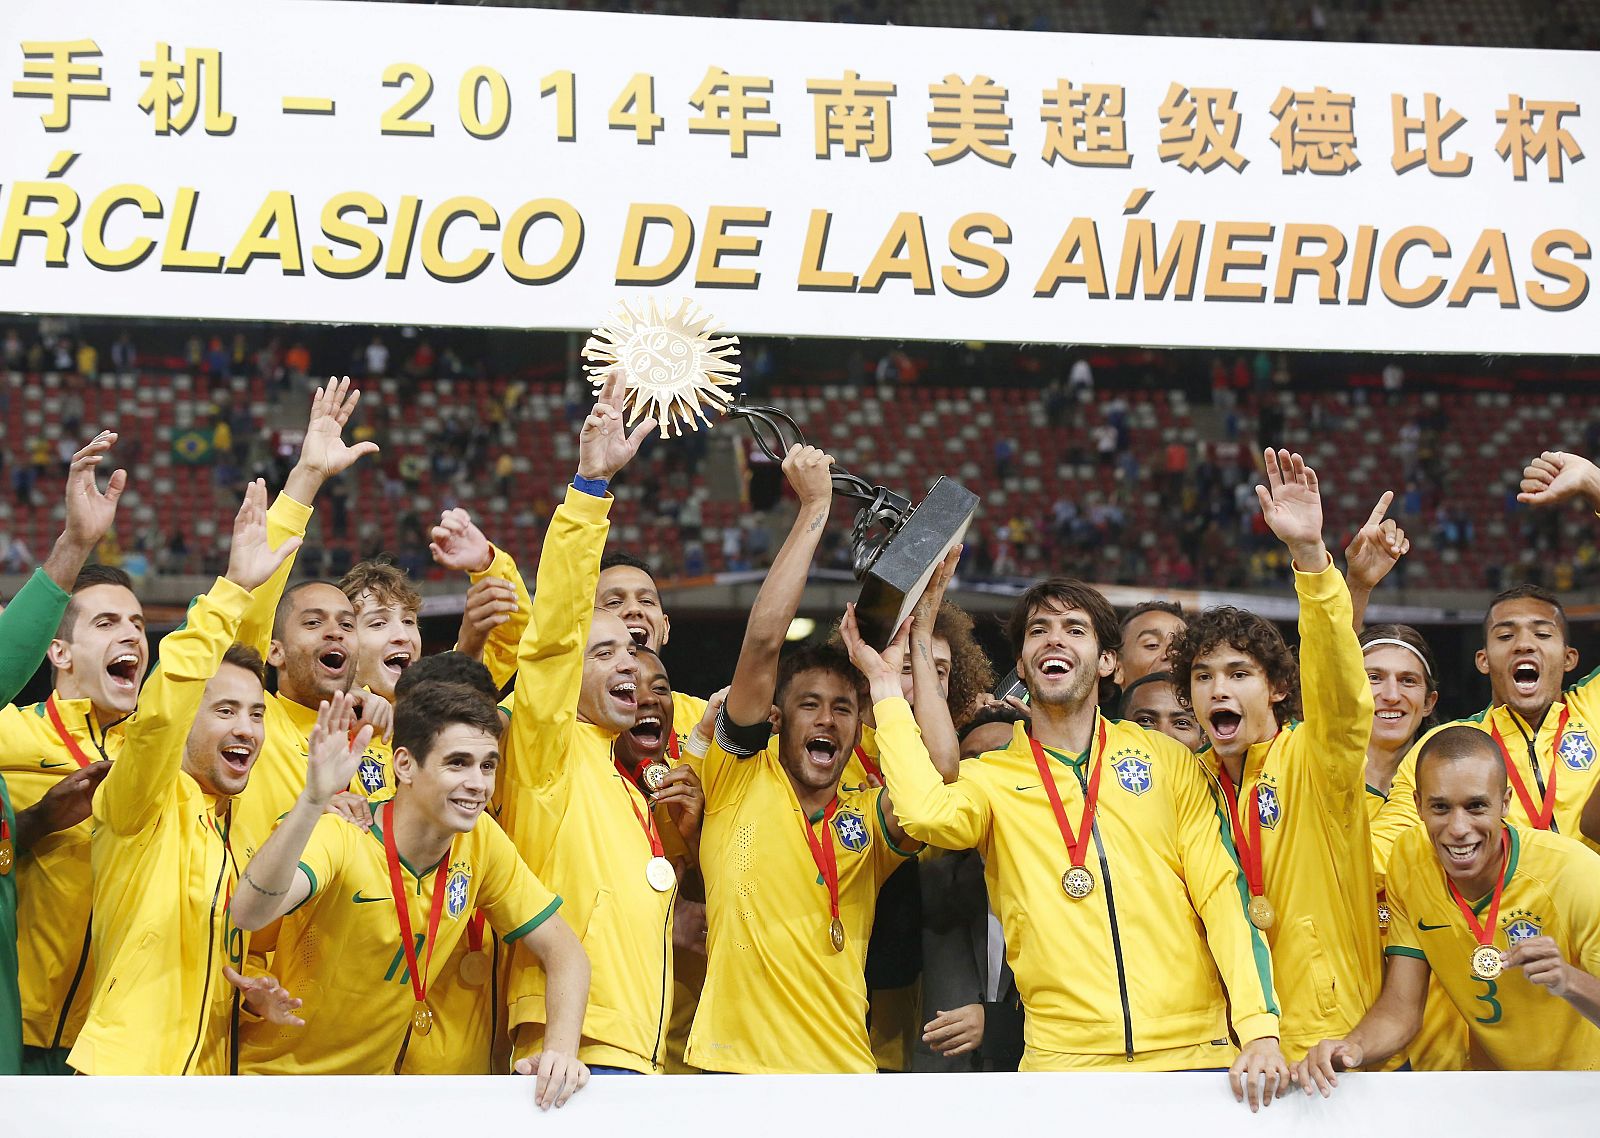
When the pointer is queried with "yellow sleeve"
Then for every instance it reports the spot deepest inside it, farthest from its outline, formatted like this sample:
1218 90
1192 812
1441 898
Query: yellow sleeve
955 816
286 518
1403 792
1335 694
153 741
1403 938
500 652
323 858
515 901
890 857
1394 818
544 704
1219 893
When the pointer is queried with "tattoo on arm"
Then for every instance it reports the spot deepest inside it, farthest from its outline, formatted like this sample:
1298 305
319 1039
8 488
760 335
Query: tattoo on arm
250 881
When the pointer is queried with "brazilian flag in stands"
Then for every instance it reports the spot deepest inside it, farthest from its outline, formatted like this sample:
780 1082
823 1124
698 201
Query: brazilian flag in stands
191 447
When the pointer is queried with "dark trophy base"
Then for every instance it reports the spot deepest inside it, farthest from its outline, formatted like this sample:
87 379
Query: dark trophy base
894 583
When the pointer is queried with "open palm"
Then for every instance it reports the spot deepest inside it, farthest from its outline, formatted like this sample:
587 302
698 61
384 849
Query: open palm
324 449
604 444
251 559
1291 503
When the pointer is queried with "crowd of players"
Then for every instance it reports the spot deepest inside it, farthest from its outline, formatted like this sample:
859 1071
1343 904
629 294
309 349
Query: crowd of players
1172 844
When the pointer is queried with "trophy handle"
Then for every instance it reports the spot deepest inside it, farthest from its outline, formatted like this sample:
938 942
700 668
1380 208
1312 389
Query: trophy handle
776 431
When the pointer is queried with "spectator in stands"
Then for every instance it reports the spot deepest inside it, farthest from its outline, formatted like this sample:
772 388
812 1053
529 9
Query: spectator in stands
1080 380
13 350
377 357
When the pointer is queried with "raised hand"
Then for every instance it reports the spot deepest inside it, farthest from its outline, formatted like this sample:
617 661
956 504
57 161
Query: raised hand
334 753
604 444
1555 476
809 471
457 543
1292 507
90 512
882 669
266 997
324 453
926 611
372 710
490 603
250 559
705 732
1376 548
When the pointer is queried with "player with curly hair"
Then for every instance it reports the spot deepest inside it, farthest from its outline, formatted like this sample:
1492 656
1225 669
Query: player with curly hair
1294 789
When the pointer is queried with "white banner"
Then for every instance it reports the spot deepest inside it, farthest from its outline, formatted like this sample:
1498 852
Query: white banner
527 168
914 1106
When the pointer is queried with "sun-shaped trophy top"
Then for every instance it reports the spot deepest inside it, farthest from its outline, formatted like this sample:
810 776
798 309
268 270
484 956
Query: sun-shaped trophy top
677 367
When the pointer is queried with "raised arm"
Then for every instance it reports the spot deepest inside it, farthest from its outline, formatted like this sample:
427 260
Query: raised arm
916 801
273 882
756 675
323 455
153 746
931 707
551 654
1374 550
1558 476
31 619
498 606
1333 678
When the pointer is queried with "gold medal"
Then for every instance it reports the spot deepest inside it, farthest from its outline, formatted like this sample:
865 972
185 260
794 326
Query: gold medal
654 775
1078 882
1486 962
475 969
659 873
1261 913
6 856
421 1018
836 934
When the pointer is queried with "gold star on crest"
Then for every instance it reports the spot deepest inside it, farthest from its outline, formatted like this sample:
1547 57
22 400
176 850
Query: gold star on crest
676 367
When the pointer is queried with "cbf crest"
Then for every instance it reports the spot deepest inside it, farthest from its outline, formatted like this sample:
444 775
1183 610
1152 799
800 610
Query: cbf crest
1133 772
852 831
1576 750
1267 806
1521 927
456 888
370 772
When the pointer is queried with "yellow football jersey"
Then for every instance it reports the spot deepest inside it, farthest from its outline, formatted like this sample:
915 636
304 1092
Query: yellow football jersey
1441 1044
340 950
1535 755
1552 888
778 999
1151 947
1316 850
572 816
164 871
54 886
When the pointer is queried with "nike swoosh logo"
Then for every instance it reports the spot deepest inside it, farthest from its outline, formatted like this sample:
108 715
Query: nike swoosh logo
360 900
1033 786
1427 928
47 766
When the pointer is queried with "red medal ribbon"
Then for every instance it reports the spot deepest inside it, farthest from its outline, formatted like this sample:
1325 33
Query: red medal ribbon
672 747
1540 818
66 736
822 854
475 931
1485 932
647 820
874 773
1077 844
419 977
1249 851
